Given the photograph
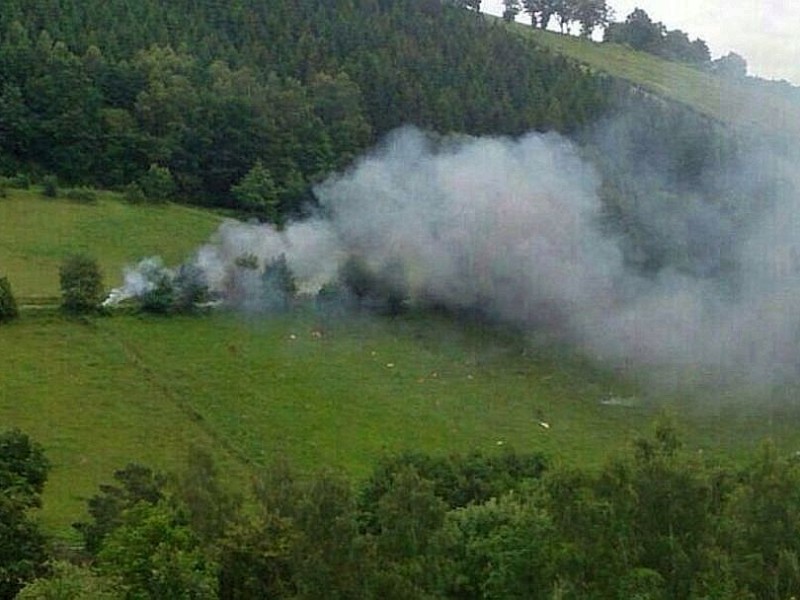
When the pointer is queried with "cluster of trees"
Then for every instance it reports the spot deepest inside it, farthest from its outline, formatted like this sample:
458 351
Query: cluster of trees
640 32
589 14
23 473
657 522
247 104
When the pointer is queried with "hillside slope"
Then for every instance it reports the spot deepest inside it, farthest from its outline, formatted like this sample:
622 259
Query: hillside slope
739 103
37 233
324 394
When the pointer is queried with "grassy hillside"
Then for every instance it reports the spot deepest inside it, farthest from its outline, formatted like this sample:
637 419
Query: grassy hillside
728 101
323 393
36 233
338 394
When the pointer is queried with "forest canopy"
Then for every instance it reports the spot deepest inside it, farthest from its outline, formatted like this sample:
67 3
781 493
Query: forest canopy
102 92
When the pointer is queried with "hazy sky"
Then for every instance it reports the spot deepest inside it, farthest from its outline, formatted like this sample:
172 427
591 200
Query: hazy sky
764 32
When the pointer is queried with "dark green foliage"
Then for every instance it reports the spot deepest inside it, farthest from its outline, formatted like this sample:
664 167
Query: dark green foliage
190 288
656 523
65 581
133 193
160 299
81 284
23 472
157 184
333 299
186 99
210 509
23 467
50 186
81 194
511 9
641 33
384 289
278 285
135 484
20 181
355 275
458 480
730 66
8 304
257 192
156 555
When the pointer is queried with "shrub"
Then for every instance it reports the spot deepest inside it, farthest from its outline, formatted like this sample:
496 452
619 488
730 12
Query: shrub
82 194
191 288
279 286
8 304
20 181
81 284
160 298
157 184
133 194
50 186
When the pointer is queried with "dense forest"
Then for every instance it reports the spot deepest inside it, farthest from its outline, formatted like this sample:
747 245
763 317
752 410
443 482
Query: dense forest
98 92
656 523
248 104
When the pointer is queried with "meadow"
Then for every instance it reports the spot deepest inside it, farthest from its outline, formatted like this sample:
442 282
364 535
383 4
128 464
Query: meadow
37 233
323 393
321 390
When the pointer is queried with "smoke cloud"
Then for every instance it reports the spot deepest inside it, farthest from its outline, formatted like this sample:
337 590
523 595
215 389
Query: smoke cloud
515 227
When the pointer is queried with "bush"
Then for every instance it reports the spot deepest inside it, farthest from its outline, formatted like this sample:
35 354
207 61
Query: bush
191 288
161 297
82 194
20 181
279 286
50 186
157 184
81 284
134 194
8 305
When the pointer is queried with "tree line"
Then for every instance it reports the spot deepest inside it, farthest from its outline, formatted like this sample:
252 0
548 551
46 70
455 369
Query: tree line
656 522
588 14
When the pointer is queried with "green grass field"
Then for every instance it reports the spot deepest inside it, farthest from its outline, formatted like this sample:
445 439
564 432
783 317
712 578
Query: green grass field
322 393
37 233
729 102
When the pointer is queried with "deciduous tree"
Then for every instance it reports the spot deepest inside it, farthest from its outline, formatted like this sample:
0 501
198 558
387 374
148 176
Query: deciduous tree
81 284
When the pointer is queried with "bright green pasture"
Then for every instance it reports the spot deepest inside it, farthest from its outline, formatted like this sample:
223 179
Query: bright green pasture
36 233
324 393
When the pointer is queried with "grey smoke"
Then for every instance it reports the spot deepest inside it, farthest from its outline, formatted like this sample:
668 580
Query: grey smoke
515 227
140 279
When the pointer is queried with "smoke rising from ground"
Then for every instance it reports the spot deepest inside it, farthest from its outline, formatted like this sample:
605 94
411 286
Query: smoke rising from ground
514 227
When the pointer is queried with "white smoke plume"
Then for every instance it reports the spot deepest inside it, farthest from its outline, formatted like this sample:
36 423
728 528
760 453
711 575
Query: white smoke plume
513 226
139 280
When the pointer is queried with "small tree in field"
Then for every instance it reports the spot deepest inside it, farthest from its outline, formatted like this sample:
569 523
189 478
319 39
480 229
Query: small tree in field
8 305
81 284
